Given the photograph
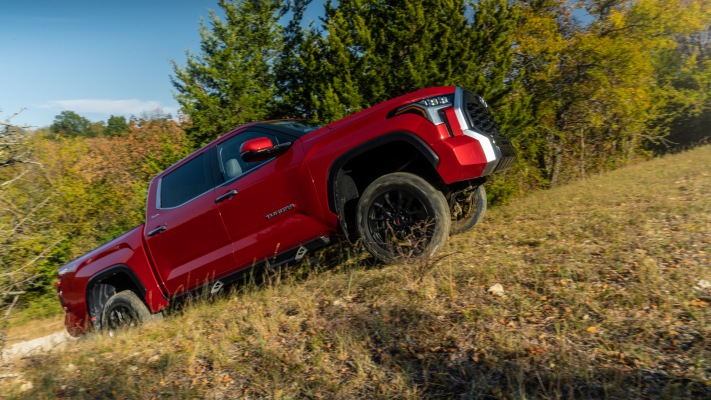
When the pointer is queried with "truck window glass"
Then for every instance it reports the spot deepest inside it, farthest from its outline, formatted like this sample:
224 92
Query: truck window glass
185 183
231 164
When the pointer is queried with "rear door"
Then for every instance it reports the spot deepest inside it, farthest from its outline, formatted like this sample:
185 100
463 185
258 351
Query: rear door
186 237
266 204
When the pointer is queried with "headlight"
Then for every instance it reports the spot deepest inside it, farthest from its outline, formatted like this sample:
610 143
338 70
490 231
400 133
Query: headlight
428 108
67 269
436 101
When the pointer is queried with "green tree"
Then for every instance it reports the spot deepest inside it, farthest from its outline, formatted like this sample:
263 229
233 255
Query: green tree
69 123
686 71
371 51
232 80
292 75
116 126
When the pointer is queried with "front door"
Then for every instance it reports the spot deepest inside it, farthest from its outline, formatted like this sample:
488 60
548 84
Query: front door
262 203
184 231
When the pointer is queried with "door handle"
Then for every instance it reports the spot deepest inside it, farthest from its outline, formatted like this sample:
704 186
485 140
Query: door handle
157 230
226 196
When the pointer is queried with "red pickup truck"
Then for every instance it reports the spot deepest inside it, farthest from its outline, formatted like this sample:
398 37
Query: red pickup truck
399 176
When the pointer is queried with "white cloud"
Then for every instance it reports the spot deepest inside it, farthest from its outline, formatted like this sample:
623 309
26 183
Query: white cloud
109 106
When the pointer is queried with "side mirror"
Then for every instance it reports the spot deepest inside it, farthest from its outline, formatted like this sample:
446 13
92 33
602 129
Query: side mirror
261 149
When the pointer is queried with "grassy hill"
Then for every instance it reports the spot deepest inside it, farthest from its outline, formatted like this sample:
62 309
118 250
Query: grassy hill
601 300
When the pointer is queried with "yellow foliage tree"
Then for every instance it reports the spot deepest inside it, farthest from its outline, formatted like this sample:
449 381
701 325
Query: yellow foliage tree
599 87
87 191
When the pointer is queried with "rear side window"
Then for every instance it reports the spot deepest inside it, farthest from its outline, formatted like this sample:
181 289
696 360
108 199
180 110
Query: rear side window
186 183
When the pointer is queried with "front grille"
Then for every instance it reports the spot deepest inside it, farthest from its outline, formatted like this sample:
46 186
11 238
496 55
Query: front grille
481 120
480 117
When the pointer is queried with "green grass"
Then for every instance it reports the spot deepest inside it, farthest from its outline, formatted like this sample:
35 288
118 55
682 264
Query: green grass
600 302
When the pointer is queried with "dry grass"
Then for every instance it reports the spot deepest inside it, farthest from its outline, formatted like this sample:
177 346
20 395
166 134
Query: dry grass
33 329
600 302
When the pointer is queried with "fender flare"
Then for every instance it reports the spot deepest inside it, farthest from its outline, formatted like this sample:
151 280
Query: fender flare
344 184
120 269
397 136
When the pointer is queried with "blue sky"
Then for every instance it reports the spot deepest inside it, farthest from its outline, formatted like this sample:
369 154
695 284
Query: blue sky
97 58
94 57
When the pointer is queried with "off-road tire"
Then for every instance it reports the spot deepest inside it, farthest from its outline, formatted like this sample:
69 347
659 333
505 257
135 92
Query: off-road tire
124 310
467 210
401 218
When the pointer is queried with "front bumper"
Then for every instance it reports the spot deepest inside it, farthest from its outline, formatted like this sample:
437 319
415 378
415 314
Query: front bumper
464 157
76 326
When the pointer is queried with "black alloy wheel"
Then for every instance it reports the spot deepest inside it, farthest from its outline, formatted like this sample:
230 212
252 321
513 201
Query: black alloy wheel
123 310
401 217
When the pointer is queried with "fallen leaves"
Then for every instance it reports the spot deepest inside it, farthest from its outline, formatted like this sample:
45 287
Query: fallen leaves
698 303
536 350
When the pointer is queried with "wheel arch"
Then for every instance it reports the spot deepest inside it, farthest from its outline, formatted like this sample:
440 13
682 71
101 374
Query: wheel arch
103 285
354 170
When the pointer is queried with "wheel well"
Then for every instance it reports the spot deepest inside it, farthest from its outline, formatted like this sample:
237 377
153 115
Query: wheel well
361 168
103 285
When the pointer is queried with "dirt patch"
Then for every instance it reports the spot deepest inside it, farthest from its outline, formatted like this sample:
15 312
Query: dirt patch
39 345
11 375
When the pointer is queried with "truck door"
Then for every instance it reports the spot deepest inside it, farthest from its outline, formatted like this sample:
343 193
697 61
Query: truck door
184 232
263 203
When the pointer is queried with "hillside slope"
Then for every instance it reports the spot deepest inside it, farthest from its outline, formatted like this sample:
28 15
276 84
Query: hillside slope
603 298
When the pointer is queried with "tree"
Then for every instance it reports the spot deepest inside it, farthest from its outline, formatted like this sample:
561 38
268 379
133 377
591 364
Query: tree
292 75
543 38
231 81
574 97
371 51
69 123
22 247
62 197
598 91
686 70
116 126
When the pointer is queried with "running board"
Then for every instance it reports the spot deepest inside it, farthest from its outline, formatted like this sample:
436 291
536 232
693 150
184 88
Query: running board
244 274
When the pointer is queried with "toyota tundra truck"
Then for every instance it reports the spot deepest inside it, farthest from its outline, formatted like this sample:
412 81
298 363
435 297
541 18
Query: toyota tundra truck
398 177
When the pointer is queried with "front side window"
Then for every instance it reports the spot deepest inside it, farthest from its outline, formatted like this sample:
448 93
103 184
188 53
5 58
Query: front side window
231 163
186 182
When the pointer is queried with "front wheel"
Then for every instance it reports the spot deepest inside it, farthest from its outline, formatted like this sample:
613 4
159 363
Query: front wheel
401 217
123 310
467 209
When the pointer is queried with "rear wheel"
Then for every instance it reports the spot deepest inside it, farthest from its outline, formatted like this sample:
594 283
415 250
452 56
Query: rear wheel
467 209
401 217
123 310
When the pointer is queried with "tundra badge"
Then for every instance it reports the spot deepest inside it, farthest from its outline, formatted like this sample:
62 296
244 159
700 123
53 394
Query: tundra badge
281 210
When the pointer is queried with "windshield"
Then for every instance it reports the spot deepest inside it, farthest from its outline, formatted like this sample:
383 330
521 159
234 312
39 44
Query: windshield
299 127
